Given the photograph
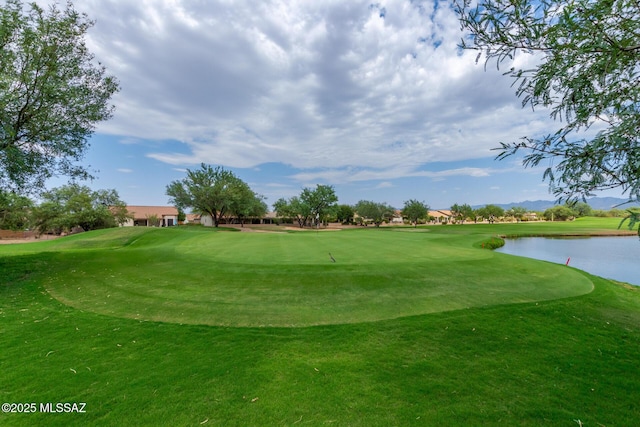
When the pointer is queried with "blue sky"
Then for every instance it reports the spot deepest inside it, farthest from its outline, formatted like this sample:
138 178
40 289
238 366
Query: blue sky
374 99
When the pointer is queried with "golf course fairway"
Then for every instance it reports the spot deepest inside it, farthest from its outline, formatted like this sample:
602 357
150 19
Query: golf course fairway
200 276
191 326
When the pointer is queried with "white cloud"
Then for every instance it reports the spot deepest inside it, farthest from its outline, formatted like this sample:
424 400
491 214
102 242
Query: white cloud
385 184
125 170
337 175
344 87
129 141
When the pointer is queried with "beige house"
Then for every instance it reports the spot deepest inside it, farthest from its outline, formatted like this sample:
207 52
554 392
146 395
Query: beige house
397 217
441 216
146 216
192 218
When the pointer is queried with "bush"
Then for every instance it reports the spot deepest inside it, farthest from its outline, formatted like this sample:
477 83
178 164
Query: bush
559 213
492 243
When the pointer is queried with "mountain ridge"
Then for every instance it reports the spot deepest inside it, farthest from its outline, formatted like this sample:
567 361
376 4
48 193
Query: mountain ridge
598 203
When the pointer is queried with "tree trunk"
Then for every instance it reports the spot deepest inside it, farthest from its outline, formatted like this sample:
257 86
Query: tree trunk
214 217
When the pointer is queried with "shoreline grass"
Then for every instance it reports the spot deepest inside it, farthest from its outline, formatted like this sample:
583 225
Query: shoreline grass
548 362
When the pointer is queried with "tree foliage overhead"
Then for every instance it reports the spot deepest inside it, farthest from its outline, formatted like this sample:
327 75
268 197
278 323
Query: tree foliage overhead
587 75
633 216
52 93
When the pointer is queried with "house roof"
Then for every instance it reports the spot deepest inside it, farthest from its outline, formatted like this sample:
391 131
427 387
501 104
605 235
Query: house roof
147 211
440 213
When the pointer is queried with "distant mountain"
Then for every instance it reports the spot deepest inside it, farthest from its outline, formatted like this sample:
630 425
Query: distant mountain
600 203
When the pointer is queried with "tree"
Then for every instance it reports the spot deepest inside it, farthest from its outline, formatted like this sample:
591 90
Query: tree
320 201
461 212
491 212
376 212
344 214
72 206
517 212
153 220
52 93
310 205
559 213
587 74
294 209
288 209
247 204
582 209
211 191
415 211
182 216
15 211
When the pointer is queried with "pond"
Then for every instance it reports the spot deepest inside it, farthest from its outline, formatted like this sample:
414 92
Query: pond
610 257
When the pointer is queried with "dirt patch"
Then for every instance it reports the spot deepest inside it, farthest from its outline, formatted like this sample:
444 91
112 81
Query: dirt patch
272 228
29 239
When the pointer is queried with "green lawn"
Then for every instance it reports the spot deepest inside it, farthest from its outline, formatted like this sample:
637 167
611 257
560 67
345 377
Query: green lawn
289 279
408 327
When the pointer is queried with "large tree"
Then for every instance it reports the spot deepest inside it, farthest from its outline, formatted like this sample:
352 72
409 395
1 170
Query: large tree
52 93
208 190
321 201
415 210
71 206
587 74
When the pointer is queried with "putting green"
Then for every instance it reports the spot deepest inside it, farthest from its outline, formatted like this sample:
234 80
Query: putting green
289 279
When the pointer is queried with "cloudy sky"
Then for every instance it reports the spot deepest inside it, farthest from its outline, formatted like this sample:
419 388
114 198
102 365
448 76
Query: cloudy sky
374 99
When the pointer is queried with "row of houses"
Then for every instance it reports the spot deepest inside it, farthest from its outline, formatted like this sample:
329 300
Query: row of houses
167 216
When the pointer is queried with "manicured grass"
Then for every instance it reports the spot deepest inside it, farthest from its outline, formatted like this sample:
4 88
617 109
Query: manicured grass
280 279
564 354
